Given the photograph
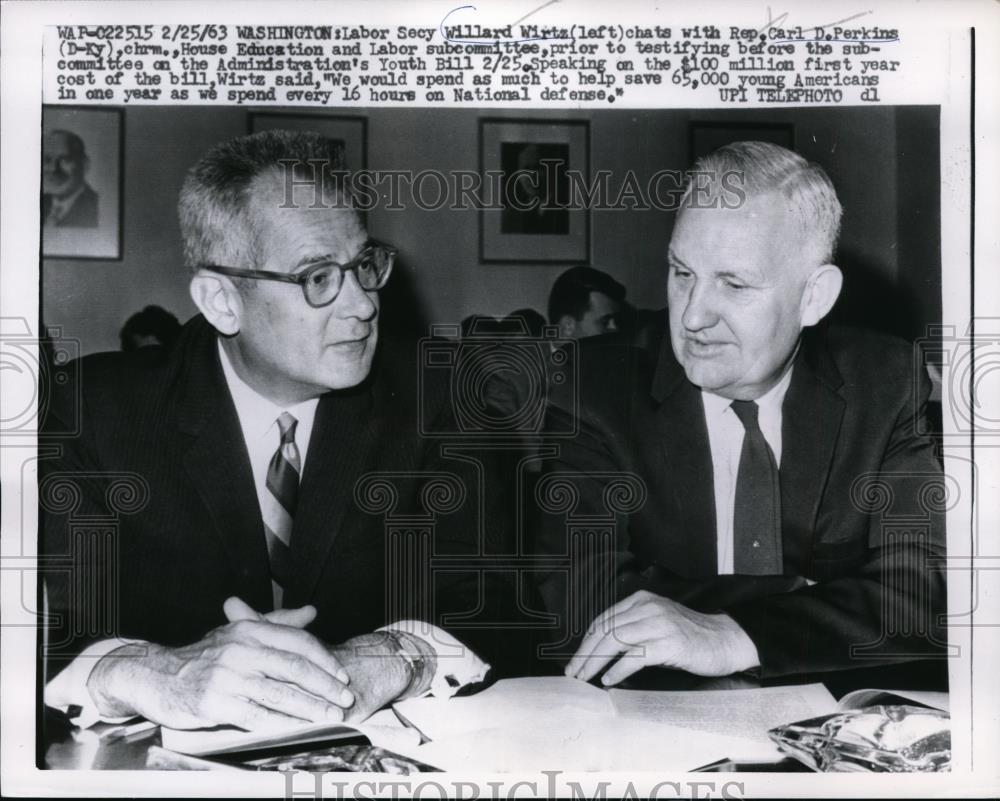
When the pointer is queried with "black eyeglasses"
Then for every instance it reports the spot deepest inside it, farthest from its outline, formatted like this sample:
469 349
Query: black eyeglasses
321 281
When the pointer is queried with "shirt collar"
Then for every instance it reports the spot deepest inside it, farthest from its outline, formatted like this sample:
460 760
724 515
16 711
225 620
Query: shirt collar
257 414
768 403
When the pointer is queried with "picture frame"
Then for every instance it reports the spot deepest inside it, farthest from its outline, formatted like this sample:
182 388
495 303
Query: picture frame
532 217
350 131
705 137
81 183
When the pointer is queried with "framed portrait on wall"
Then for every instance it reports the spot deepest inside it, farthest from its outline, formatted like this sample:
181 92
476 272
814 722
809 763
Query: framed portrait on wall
81 183
351 133
532 166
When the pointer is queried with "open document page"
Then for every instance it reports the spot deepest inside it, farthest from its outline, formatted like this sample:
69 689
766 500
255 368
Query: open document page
744 713
533 721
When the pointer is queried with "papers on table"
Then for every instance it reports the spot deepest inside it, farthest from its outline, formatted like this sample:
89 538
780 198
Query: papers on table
562 723
743 713
527 703
558 723
599 744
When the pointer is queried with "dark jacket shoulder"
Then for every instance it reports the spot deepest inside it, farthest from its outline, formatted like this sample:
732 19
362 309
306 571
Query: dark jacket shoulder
605 374
862 353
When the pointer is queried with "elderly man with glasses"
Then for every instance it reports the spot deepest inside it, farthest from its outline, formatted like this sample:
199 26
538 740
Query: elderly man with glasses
266 461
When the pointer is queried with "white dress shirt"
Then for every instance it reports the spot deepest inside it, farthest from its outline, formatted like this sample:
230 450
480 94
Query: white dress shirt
725 439
258 418
457 665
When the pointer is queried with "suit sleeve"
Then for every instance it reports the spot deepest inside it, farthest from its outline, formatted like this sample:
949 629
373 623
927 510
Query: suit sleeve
485 604
76 536
586 567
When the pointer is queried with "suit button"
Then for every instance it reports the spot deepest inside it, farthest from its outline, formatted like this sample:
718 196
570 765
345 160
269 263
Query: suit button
756 543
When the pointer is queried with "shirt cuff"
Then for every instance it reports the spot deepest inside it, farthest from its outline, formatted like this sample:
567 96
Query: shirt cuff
69 688
456 664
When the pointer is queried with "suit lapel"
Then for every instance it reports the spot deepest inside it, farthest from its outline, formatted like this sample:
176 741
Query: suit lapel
217 463
811 416
689 543
812 413
340 448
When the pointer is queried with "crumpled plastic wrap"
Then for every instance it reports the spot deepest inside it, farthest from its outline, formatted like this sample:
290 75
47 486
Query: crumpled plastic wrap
876 739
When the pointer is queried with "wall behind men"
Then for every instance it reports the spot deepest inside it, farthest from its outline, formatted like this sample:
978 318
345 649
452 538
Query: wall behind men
883 161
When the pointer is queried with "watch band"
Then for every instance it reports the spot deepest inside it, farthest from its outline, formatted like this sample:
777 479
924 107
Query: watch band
413 658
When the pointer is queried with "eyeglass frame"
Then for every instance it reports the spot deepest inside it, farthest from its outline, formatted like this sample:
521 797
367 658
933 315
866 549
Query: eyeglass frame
302 277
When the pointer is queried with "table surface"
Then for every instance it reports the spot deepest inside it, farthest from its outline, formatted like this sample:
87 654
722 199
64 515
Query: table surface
66 748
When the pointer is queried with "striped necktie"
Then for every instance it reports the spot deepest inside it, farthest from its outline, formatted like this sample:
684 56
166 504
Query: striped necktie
757 512
279 505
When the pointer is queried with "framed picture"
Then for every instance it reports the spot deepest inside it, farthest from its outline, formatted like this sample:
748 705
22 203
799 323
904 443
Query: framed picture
533 167
81 185
709 136
351 133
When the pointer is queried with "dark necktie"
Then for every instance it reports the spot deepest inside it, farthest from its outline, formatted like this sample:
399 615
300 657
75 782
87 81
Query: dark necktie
757 513
279 504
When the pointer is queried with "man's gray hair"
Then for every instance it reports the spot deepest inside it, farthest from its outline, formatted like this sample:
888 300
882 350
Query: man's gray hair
215 201
760 168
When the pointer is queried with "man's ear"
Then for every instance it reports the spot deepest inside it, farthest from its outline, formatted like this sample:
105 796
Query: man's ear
821 292
219 300
567 326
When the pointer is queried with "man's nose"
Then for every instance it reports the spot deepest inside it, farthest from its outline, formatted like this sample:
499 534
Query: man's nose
612 325
353 301
699 310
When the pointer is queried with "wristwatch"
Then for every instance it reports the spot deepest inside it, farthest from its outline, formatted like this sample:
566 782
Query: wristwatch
412 656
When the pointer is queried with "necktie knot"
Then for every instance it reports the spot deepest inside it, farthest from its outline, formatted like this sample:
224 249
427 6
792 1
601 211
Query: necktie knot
287 425
747 412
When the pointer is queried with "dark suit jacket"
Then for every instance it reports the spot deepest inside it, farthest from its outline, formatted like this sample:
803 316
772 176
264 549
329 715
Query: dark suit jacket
153 508
859 516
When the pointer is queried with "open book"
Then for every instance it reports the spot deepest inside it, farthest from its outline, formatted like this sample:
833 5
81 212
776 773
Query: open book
382 729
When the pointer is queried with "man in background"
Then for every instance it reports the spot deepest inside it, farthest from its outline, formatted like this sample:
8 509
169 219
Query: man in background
153 329
585 302
68 201
252 577
755 448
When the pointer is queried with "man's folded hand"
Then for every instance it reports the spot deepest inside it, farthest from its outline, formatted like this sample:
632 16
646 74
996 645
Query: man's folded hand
252 672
